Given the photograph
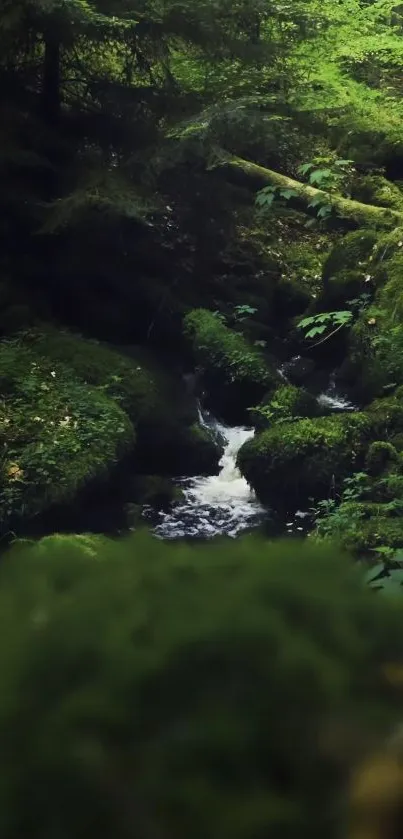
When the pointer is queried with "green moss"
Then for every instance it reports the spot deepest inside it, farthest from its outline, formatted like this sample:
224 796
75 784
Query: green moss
57 433
380 457
155 400
279 645
386 415
351 253
377 190
127 381
286 402
389 244
80 545
293 462
342 287
235 371
291 297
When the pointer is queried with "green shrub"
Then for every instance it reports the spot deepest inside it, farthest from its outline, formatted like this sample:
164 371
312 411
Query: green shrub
157 690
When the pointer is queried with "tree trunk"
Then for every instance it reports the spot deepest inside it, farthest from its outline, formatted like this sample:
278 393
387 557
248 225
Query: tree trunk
253 176
51 81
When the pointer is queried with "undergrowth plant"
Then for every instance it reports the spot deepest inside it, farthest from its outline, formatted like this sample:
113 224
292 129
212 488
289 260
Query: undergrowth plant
319 324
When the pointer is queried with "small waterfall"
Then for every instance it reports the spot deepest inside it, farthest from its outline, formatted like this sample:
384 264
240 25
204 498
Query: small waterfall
222 504
334 401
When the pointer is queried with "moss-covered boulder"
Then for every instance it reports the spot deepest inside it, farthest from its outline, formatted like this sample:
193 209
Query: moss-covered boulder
58 434
285 403
341 288
236 374
377 190
169 439
351 253
294 462
381 456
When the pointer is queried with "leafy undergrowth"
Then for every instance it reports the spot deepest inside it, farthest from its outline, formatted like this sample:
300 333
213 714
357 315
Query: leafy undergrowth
219 690
57 433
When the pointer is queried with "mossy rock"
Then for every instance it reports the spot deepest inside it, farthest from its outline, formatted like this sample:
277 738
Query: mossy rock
169 441
290 298
169 448
373 362
58 433
377 190
380 457
236 373
293 462
285 403
158 491
341 287
352 252
125 380
77 545
386 415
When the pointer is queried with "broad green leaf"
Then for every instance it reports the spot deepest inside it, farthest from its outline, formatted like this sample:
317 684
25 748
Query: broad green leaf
320 175
305 168
288 193
325 211
317 330
374 572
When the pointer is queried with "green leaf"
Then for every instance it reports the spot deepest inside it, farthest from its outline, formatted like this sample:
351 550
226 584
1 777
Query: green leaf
305 168
288 193
396 575
316 201
320 175
374 572
307 321
325 211
317 330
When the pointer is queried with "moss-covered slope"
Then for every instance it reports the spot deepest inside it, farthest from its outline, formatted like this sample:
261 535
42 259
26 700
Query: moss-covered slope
236 373
57 433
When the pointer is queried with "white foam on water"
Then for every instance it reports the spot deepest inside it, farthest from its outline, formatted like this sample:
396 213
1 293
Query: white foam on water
222 504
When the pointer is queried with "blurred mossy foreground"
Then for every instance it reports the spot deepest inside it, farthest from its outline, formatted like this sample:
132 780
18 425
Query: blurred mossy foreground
220 690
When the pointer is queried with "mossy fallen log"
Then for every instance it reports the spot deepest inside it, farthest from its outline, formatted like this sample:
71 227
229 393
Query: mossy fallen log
256 177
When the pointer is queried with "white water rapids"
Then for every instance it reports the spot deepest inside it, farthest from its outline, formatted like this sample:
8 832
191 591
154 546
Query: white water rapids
225 504
222 504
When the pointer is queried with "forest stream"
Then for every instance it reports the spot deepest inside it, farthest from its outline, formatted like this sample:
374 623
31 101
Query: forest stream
222 504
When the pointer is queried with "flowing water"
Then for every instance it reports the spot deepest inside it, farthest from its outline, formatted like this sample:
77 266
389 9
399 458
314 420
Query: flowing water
334 401
222 504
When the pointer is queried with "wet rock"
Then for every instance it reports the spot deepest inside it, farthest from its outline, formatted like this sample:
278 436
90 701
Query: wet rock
298 369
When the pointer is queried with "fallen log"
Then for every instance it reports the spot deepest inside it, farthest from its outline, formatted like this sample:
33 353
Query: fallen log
256 177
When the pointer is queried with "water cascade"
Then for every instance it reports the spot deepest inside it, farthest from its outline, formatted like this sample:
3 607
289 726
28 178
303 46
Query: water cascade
222 504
